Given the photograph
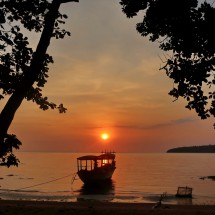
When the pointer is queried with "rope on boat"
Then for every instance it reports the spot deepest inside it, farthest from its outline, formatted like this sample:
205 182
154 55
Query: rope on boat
47 182
74 178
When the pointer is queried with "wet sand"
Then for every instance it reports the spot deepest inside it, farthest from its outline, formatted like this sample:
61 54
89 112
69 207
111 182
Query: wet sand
99 208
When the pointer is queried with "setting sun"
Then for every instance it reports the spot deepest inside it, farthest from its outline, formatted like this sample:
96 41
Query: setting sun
105 136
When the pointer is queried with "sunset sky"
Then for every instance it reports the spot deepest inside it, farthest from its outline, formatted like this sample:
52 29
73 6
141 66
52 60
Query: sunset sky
108 78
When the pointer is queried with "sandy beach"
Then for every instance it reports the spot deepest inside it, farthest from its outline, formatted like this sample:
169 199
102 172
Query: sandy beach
100 208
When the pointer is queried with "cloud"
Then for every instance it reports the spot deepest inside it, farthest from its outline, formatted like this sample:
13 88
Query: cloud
150 127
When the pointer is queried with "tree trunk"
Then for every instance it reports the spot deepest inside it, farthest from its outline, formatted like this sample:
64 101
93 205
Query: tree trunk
8 112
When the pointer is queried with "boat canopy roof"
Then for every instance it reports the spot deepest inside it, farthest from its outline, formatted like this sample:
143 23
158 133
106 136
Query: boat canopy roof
104 156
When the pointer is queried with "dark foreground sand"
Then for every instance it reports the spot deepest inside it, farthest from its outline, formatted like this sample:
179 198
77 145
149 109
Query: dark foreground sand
99 208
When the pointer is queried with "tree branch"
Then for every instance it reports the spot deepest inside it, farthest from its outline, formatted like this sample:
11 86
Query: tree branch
66 1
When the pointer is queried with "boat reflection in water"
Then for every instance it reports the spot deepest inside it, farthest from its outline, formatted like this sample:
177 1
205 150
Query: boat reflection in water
106 188
97 192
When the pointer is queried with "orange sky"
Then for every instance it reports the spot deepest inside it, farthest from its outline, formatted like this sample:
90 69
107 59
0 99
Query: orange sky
108 77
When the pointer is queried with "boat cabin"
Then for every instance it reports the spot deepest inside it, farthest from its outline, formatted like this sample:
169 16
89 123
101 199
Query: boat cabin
92 162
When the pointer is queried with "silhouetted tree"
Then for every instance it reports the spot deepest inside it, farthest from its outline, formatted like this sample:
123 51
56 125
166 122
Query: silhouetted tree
185 30
23 72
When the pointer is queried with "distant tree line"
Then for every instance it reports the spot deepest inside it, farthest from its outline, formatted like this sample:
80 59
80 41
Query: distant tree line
193 149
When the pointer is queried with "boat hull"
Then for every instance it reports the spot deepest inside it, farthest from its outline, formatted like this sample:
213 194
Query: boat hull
98 175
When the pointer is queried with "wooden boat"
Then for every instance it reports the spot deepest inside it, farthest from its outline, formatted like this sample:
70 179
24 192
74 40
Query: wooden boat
96 169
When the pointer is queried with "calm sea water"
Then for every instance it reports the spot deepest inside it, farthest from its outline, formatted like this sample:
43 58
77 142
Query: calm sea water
137 178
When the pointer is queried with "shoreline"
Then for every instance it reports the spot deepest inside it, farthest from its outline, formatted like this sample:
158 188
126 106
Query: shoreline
11 207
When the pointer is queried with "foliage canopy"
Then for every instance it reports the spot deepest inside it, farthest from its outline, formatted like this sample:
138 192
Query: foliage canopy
184 29
16 55
24 72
